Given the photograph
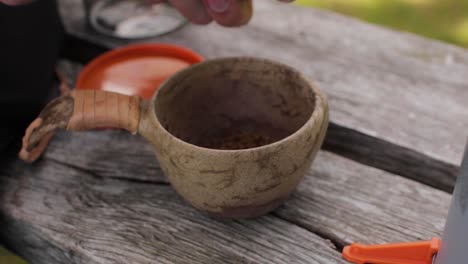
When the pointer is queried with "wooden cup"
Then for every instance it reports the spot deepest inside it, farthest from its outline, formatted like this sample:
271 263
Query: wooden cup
234 136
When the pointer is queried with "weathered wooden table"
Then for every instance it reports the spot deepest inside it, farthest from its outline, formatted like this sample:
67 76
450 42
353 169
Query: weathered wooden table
398 127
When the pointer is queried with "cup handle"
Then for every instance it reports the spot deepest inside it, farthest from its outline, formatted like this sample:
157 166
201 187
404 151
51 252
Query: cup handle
78 111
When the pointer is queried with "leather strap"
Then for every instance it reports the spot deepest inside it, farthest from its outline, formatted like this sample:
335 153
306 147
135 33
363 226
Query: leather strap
101 109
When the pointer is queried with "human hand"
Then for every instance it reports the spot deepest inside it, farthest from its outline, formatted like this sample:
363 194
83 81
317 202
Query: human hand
229 13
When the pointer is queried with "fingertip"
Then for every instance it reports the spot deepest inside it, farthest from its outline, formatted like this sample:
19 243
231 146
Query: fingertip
230 13
23 155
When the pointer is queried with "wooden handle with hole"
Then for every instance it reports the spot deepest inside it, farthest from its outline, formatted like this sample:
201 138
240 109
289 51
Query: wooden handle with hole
78 111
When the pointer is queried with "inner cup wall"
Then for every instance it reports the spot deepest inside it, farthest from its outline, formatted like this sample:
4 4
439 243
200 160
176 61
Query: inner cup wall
234 104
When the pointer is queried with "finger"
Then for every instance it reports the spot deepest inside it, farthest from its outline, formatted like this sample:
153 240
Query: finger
193 10
230 13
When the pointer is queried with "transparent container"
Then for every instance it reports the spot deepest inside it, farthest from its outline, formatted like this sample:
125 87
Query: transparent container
132 19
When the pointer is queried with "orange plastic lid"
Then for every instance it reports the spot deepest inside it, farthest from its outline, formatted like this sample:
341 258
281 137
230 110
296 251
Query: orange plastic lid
137 69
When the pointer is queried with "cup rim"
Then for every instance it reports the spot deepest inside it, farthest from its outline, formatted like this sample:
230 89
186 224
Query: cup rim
320 104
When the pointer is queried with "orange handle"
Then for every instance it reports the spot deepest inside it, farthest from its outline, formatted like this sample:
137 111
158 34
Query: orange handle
77 111
421 252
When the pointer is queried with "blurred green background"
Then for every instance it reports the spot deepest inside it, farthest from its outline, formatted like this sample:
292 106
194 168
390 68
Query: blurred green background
445 20
8 258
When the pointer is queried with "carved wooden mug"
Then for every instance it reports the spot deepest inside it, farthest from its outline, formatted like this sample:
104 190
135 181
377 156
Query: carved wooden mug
234 136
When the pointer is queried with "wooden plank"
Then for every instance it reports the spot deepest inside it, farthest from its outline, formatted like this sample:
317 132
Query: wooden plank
87 203
366 210
416 212
51 213
114 154
348 202
339 199
392 93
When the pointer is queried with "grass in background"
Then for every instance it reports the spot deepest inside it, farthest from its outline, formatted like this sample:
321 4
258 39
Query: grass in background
7 258
445 20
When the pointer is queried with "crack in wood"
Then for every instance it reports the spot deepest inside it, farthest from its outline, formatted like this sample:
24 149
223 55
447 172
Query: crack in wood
337 243
97 176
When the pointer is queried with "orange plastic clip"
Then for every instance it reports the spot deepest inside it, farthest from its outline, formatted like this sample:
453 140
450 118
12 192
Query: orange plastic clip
406 253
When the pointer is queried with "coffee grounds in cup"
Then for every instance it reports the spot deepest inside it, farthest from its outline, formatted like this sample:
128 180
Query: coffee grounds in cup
238 141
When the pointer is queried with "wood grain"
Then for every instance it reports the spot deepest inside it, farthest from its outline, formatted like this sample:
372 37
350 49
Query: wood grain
337 184
407 91
87 198
113 154
53 214
348 202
